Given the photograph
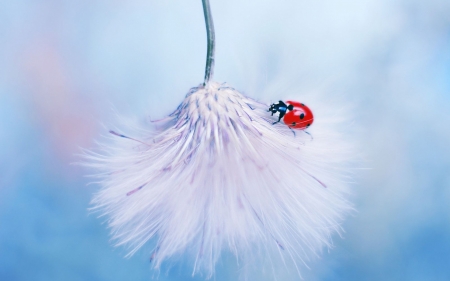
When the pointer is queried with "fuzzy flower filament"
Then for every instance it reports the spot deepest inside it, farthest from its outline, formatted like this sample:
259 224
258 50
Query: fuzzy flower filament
217 175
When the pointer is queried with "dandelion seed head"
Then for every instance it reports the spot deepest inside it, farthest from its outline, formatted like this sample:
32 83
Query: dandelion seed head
217 175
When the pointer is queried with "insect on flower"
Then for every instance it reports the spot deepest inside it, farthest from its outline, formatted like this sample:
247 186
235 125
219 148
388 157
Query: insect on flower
198 182
296 115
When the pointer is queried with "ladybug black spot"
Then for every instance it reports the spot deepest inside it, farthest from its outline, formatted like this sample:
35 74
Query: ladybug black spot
303 104
302 116
293 123
308 125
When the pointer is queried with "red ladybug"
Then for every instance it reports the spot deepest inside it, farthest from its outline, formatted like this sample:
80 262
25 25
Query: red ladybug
296 115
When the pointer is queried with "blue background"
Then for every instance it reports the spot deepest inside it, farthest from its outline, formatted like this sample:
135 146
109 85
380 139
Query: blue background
67 66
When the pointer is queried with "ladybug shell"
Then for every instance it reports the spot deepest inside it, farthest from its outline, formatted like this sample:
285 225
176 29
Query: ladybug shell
300 117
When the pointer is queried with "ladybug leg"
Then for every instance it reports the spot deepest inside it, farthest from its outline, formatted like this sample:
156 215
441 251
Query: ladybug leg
308 134
293 132
279 117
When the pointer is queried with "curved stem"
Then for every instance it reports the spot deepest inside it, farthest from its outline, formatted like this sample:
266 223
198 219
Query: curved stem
209 68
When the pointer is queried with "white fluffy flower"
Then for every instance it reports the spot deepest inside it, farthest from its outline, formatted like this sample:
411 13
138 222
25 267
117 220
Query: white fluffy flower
216 175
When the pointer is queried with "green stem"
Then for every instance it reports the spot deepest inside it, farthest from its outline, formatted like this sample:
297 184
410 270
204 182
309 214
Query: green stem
209 68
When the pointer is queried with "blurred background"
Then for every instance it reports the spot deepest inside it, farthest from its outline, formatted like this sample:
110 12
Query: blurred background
68 67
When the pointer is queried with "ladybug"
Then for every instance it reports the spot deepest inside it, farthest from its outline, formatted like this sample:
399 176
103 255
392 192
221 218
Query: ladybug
296 115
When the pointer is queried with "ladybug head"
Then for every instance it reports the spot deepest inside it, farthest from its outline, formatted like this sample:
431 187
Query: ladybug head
280 107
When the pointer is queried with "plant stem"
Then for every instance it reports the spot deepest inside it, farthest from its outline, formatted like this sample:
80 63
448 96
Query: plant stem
209 68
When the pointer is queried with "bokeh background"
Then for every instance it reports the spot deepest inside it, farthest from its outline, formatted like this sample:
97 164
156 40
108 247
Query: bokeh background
68 67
